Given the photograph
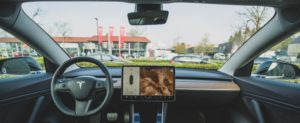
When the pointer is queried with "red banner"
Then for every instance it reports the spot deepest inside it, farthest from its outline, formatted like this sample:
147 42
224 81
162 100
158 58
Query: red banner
100 31
111 33
122 37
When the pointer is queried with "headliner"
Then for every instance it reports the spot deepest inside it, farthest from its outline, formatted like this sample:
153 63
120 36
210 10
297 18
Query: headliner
272 3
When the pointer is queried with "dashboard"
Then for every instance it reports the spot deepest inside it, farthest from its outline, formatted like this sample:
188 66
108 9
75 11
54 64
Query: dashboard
193 88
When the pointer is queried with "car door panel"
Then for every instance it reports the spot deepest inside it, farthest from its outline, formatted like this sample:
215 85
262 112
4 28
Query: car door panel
12 88
271 101
22 98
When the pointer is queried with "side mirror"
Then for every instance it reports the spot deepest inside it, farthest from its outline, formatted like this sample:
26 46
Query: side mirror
15 66
277 70
19 65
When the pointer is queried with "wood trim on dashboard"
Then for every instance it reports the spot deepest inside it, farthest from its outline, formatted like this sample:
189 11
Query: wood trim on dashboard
222 86
198 85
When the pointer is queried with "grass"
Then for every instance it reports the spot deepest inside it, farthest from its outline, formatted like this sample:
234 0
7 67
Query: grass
40 60
297 80
214 66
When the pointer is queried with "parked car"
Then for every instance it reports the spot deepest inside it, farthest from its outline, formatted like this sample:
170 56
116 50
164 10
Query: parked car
168 56
107 58
220 56
206 58
188 59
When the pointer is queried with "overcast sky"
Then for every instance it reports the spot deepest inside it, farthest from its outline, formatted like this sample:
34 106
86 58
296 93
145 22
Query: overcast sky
189 22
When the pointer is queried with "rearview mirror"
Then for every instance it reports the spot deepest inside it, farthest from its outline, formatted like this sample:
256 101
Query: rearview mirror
148 14
148 17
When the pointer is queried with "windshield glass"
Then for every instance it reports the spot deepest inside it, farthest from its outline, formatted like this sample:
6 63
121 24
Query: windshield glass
200 36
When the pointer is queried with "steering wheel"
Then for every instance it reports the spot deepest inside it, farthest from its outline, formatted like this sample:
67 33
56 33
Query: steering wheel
81 88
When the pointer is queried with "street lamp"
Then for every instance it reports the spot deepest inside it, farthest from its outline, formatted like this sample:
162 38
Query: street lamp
97 26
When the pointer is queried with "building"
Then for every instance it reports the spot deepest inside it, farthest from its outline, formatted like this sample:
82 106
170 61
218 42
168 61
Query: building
225 48
293 50
12 47
81 46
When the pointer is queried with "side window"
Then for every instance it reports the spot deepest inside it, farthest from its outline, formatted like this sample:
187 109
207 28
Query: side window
17 58
281 62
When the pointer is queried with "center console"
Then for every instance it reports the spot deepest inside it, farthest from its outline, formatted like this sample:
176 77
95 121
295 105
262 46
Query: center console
150 87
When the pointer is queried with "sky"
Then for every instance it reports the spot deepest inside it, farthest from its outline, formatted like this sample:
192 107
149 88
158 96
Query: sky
187 22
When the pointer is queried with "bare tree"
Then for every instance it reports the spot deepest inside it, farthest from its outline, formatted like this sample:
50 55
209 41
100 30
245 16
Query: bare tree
62 29
180 48
137 31
254 14
176 40
204 47
36 13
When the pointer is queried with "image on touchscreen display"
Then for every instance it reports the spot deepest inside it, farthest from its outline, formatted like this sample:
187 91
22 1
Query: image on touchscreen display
156 81
148 83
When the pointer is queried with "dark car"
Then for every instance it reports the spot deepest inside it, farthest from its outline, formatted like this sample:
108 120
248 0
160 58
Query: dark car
188 59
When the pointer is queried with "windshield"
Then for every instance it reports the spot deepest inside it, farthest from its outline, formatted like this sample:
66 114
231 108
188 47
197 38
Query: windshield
198 36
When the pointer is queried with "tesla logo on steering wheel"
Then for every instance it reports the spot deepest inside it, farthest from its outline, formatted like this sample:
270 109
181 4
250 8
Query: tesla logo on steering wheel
80 83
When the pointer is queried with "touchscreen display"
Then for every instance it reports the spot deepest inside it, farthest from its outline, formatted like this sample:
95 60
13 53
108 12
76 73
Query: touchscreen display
148 83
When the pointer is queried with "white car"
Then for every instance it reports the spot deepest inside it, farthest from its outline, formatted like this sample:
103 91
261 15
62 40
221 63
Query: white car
220 56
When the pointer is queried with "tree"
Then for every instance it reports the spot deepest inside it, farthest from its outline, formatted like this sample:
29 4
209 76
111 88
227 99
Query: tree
237 38
254 14
137 31
283 45
204 47
36 13
247 33
62 29
180 48
231 38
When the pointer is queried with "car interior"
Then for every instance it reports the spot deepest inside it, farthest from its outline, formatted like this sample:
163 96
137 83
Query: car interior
67 93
